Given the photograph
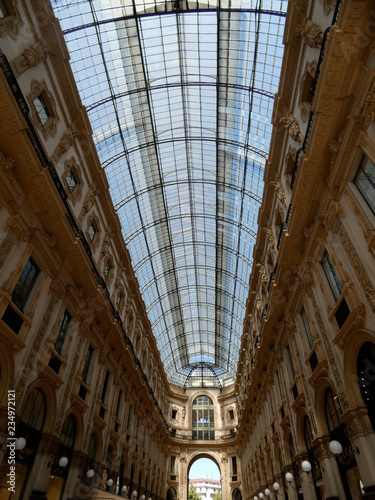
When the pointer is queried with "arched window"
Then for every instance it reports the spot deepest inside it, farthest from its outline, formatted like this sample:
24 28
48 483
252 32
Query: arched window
311 453
108 465
30 427
337 430
59 473
236 495
366 377
333 410
91 454
203 418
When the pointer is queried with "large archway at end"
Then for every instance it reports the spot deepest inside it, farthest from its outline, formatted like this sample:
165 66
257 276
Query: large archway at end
205 467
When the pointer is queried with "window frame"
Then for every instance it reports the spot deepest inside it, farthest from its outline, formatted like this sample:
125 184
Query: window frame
331 276
365 159
21 302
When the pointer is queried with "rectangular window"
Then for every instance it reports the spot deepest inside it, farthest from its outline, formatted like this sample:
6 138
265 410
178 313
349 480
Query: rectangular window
42 109
234 466
63 331
107 269
118 404
105 387
129 418
71 181
331 275
173 465
365 182
92 232
25 284
87 364
136 434
290 360
306 325
279 385
4 12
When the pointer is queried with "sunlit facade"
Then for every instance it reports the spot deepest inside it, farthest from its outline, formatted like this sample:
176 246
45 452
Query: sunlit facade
187 248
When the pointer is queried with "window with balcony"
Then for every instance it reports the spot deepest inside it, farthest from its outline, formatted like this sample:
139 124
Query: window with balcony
203 418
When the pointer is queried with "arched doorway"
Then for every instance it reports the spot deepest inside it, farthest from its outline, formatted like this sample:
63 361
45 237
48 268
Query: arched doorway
366 377
204 476
171 494
236 495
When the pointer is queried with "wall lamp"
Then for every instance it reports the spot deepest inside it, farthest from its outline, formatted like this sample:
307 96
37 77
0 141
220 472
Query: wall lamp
345 456
63 462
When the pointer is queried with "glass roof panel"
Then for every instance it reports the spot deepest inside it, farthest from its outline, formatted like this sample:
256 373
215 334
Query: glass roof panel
179 94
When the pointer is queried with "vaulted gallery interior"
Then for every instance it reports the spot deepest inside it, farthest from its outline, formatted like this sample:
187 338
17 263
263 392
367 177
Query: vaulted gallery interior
187 244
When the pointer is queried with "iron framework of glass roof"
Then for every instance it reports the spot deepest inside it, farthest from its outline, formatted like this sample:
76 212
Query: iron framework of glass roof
180 95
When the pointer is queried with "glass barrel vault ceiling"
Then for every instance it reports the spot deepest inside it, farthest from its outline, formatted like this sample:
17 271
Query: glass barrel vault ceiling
180 96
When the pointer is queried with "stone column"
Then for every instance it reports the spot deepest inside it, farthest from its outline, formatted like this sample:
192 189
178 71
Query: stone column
308 487
77 466
40 472
290 488
362 437
330 469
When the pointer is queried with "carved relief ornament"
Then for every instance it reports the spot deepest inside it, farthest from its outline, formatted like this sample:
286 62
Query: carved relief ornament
31 56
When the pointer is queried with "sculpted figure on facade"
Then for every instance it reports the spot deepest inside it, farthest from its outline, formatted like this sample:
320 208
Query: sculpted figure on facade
311 34
278 187
290 124
30 57
66 141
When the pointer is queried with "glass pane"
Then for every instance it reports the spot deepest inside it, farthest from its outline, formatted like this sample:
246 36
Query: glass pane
25 284
180 105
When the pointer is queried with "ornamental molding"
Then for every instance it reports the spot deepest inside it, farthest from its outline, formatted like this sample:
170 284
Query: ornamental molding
5 248
9 25
291 126
30 57
333 211
49 128
358 268
311 33
279 190
332 361
18 226
66 142
328 5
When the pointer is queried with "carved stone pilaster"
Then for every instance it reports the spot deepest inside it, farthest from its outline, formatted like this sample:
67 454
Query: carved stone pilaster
332 362
69 386
358 267
332 213
357 422
5 248
7 164
30 363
